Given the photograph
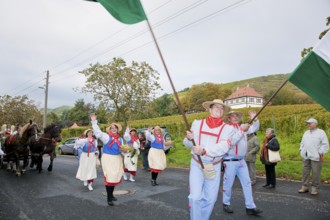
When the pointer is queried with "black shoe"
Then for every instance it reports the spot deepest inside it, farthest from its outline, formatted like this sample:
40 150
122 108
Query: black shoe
227 209
114 199
110 203
254 211
153 183
266 185
270 186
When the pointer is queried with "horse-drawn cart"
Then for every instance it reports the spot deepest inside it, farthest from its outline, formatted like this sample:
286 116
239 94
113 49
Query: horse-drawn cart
29 144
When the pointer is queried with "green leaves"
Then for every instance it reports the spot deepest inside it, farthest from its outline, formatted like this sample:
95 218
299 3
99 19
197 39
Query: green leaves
18 110
125 89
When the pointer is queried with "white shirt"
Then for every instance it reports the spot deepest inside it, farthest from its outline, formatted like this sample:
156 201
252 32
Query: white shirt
239 141
214 151
313 144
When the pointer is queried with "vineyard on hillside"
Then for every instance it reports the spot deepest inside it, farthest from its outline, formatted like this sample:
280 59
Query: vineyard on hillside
288 121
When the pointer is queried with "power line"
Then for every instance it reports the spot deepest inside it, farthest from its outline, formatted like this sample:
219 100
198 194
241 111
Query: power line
105 39
140 33
28 87
79 54
136 35
187 26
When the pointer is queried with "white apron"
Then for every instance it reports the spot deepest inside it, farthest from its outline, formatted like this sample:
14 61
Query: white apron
157 159
87 167
112 166
131 162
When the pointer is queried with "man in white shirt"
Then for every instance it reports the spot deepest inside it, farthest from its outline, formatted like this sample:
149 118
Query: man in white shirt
313 146
212 141
235 165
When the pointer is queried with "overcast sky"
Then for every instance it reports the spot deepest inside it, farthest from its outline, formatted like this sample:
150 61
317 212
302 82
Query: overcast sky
215 41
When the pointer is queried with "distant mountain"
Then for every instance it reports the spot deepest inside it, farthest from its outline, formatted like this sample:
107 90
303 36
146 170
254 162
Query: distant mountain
264 84
58 110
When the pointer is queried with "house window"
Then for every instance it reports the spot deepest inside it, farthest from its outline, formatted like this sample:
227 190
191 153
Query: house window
251 99
237 100
231 101
258 100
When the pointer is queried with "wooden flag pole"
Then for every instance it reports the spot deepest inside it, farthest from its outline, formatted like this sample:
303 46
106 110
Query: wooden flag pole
174 90
275 93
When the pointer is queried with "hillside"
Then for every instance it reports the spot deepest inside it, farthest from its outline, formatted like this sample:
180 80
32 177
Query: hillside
263 84
59 110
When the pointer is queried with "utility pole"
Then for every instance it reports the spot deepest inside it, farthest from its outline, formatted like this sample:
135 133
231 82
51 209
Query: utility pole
46 99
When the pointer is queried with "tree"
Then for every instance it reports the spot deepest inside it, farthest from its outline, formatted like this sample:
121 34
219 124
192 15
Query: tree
198 94
102 113
52 118
125 89
80 112
65 122
165 106
306 51
18 110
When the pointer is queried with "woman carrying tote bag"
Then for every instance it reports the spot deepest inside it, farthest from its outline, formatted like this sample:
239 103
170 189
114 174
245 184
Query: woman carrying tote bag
270 143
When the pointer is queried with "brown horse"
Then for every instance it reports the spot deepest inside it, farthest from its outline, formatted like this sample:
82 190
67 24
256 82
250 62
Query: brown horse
41 144
16 148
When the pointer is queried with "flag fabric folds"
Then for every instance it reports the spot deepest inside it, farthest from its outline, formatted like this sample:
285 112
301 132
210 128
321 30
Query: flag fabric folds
125 11
313 74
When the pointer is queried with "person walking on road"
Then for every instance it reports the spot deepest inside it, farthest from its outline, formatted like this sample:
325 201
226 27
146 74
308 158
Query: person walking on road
79 148
112 160
235 165
313 146
270 143
156 157
251 154
131 158
144 149
87 163
212 138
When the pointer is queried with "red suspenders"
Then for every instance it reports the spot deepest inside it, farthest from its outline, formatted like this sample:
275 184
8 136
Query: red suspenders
209 133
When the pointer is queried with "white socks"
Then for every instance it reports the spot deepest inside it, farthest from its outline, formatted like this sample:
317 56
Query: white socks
90 187
131 178
125 176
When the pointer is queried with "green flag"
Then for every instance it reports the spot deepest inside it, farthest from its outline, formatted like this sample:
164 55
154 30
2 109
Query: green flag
313 74
125 11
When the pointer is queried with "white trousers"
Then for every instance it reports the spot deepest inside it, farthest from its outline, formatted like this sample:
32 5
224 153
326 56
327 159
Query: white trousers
203 193
239 169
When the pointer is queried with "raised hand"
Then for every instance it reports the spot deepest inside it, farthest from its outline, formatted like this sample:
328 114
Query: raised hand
252 114
93 117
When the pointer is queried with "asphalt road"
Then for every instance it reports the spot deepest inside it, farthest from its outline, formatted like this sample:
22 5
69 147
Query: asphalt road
58 195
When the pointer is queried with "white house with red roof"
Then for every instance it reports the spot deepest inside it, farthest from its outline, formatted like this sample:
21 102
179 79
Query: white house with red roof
245 97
